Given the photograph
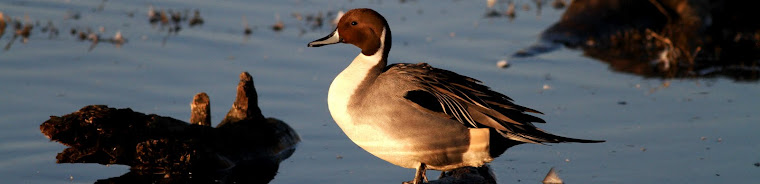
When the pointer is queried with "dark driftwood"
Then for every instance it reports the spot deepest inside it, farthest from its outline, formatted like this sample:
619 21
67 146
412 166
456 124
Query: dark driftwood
662 38
246 148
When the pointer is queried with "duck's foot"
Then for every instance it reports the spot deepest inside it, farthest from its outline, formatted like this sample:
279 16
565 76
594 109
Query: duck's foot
420 176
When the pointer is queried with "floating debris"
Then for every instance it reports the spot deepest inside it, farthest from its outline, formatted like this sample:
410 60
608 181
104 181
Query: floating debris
552 177
72 15
197 19
539 4
117 39
175 16
316 21
491 3
19 30
152 15
94 38
511 10
502 63
163 17
24 32
172 20
51 29
622 103
526 7
82 36
559 4
246 28
297 16
492 13
757 164
279 26
547 87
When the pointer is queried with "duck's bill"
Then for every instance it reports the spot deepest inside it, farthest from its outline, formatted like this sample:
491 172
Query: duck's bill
332 38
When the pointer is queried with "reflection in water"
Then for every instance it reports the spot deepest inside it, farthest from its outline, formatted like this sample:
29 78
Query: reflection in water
662 38
245 147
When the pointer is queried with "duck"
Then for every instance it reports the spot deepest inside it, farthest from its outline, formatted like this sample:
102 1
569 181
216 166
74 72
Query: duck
418 116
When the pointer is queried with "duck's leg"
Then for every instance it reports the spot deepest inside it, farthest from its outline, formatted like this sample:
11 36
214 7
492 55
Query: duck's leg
420 177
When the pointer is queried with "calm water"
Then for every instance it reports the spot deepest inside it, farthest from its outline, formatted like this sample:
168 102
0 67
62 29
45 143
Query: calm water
657 131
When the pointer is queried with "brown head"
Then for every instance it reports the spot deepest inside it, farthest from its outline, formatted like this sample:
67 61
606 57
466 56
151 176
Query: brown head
362 28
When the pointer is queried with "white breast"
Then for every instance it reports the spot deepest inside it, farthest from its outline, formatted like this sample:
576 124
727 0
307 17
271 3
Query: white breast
369 137
347 83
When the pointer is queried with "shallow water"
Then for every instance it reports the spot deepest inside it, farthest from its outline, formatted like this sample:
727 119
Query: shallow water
657 130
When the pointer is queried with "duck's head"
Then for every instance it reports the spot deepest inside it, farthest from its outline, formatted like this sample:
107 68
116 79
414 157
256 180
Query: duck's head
364 28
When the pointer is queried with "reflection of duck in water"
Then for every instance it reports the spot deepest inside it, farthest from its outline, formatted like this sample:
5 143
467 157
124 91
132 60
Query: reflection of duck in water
417 116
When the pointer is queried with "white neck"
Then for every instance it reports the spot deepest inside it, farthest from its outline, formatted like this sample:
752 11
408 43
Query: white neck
348 81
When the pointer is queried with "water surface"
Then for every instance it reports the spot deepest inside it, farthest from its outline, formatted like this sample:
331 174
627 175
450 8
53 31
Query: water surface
657 130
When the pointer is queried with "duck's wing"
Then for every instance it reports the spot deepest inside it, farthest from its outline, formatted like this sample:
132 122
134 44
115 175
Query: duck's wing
473 104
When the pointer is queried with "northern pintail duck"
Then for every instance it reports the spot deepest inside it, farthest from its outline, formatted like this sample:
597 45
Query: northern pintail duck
418 116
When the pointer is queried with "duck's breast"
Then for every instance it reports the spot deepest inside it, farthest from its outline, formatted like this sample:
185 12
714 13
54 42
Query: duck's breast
391 127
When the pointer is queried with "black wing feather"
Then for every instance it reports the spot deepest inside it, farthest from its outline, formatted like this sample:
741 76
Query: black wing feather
473 104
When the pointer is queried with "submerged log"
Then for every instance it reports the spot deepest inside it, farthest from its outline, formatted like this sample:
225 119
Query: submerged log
247 148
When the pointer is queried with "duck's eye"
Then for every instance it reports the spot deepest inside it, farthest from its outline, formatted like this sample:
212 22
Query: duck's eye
353 23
